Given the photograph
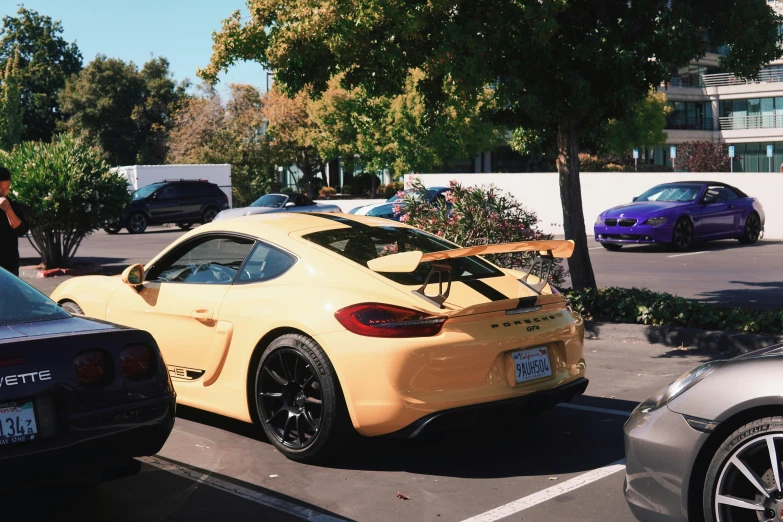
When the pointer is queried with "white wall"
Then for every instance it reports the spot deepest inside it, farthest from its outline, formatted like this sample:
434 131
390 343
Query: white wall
602 190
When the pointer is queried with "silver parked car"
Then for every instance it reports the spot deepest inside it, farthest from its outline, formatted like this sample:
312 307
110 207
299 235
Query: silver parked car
709 446
279 203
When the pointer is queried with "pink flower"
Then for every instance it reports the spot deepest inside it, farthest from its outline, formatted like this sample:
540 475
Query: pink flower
450 198
397 208
405 217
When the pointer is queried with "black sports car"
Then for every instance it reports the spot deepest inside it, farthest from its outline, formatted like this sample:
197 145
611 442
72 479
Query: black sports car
79 398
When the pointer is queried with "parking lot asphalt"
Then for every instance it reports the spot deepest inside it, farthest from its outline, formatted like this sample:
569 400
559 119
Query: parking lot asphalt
721 272
543 468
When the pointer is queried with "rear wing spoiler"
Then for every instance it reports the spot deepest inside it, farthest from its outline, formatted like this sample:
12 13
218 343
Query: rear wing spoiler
406 262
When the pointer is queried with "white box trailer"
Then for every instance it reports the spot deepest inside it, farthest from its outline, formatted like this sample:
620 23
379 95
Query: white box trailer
142 175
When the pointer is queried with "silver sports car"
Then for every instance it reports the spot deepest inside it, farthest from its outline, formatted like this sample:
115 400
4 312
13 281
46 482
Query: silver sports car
279 203
709 446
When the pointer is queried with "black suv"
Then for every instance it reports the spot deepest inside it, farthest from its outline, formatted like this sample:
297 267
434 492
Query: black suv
183 202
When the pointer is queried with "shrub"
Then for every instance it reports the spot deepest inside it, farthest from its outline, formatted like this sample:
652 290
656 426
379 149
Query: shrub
287 190
327 192
68 192
387 191
641 306
478 216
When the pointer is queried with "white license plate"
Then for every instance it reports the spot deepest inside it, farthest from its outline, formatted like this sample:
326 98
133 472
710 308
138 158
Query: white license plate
17 422
530 365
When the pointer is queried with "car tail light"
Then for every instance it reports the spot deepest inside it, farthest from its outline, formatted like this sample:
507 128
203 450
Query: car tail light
137 361
92 367
11 361
380 320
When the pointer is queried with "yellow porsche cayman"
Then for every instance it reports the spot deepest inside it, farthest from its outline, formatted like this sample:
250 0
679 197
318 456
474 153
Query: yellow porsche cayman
316 324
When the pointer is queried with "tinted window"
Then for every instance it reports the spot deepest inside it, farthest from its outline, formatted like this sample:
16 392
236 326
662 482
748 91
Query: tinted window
264 263
143 192
672 192
211 261
362 244
169 192
191 189
21 303
730 194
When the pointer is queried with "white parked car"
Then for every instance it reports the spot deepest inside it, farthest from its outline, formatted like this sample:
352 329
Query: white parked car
270 203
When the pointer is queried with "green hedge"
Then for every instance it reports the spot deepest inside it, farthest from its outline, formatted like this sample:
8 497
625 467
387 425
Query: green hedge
639 306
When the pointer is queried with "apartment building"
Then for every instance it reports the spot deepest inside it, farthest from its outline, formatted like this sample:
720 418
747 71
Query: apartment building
710 104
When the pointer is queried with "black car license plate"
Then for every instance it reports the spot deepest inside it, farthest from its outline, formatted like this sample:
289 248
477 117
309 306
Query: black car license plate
17 422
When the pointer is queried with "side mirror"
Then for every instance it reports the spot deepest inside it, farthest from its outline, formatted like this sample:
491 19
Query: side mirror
290 204
708 199
133 275
635 198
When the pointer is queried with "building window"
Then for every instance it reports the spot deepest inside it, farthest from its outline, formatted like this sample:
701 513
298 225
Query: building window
689 115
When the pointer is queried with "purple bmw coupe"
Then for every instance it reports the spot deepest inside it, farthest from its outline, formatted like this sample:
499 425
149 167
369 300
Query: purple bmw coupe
681 214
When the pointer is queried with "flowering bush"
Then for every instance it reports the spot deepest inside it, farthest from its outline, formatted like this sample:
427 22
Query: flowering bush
476 216
67 191
327 192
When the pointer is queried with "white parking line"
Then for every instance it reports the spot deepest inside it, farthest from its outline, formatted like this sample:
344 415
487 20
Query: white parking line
595 248
239 491
690 254
594 409
549 493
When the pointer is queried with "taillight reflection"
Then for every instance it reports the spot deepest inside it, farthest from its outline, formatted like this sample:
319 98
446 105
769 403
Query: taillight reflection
92 367
138 361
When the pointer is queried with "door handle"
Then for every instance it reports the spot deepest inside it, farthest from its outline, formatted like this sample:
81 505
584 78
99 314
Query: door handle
203 315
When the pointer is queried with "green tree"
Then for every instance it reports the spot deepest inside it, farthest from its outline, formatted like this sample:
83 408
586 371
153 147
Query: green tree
68 192
45 61
566 65
641 128
10 105
125 111
210 130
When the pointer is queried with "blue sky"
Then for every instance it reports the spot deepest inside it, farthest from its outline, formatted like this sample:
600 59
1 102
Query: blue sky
180 30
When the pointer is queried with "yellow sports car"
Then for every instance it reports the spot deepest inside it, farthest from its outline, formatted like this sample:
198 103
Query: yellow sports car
315 325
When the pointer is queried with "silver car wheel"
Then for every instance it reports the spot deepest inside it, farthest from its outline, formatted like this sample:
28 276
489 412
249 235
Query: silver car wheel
751 481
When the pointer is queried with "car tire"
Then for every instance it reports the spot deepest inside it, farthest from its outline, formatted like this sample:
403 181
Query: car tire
752 231
185 226
682 235
302 411
112 229
750 447
612 246
208 215
71 307
137 223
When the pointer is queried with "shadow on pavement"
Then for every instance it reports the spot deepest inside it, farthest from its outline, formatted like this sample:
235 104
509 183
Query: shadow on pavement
715 246
558 441
756 294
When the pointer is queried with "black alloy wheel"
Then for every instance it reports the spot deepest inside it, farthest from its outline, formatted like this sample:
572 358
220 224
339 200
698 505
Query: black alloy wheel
752 229
137 223
682 238
112 228
299 401
209 215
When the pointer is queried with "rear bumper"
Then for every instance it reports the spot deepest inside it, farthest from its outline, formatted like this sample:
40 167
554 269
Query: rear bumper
493 411
637 234
91 445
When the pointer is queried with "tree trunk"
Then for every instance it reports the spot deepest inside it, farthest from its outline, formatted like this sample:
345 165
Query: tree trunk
571 198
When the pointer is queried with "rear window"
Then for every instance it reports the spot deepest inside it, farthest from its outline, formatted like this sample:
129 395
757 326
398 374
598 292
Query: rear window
21 303
361 244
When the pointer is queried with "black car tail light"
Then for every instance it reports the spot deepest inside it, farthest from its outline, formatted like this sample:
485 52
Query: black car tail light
93 368
381 320
137 361
11 361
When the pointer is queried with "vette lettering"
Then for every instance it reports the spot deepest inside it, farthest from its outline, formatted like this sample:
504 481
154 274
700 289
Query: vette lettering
25 378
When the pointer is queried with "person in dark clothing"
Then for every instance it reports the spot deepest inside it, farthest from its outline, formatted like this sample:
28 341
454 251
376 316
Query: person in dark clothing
12 225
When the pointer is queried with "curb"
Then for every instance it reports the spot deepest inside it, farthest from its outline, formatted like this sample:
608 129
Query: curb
34 273
693 338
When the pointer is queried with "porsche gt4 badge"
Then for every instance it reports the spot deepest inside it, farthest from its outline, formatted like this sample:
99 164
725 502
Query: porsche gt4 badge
185 374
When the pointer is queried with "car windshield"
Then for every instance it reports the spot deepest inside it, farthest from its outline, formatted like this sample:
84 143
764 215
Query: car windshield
21 303
143 192
428 195
672 192
270 200
363 243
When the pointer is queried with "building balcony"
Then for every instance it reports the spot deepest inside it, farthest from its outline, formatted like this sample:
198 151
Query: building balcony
771 121
688 123
728 79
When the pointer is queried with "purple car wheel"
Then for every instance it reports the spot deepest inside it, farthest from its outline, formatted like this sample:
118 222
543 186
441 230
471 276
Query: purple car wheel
682 237
752 230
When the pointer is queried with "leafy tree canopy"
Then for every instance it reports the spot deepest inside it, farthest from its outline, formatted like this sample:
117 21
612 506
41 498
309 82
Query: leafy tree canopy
10 105
45 61
125 111
563 64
